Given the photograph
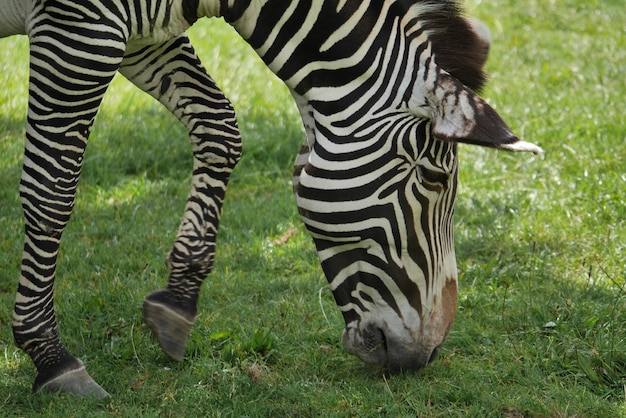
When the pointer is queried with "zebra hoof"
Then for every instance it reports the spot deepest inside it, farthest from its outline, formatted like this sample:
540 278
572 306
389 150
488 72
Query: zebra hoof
170 326
76 381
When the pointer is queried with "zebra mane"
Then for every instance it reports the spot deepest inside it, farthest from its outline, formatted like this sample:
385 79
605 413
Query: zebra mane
458 48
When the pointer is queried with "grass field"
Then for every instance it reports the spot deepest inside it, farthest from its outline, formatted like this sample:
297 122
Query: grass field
541 247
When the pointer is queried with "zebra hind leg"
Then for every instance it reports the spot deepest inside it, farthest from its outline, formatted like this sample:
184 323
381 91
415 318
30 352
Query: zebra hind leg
173 74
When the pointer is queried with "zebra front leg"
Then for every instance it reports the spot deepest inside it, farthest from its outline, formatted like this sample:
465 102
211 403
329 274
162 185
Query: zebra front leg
60 116
172 73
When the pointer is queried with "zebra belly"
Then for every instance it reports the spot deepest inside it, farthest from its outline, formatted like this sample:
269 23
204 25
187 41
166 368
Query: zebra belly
158 22
13 17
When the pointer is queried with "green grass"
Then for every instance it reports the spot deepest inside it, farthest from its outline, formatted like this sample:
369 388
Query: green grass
539 242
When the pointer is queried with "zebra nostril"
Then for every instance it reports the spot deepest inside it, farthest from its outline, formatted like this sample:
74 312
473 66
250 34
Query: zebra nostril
374 339
434 354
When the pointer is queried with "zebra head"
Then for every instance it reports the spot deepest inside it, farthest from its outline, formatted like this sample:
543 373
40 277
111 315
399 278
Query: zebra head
386 90
376 185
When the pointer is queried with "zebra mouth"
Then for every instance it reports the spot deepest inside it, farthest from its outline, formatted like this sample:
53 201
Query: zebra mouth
406 361
373 346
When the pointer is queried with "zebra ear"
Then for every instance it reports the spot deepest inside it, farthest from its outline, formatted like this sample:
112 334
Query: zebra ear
459 115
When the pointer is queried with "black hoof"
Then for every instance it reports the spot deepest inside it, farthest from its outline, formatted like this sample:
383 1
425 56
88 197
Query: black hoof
74 380
170 326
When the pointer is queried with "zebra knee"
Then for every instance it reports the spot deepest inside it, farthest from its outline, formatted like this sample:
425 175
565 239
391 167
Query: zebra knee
219 156
216 140
44 229
47 204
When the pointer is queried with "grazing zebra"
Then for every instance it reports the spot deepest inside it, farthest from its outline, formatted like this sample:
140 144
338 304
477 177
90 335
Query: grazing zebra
385 90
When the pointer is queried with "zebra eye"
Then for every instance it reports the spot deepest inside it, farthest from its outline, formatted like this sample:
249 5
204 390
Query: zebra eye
433 177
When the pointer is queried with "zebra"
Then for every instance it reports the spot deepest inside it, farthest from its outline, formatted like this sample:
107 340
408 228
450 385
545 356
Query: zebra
386 90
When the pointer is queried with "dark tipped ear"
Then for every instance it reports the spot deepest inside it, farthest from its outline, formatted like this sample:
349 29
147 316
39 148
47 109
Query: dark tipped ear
459 115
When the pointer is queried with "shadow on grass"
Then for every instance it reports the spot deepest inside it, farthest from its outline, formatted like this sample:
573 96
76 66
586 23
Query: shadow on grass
520 291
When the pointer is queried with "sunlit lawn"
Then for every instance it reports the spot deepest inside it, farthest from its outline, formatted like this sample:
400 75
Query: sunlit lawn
541 323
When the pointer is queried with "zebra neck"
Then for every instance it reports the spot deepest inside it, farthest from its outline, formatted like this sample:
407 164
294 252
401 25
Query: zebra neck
295 38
